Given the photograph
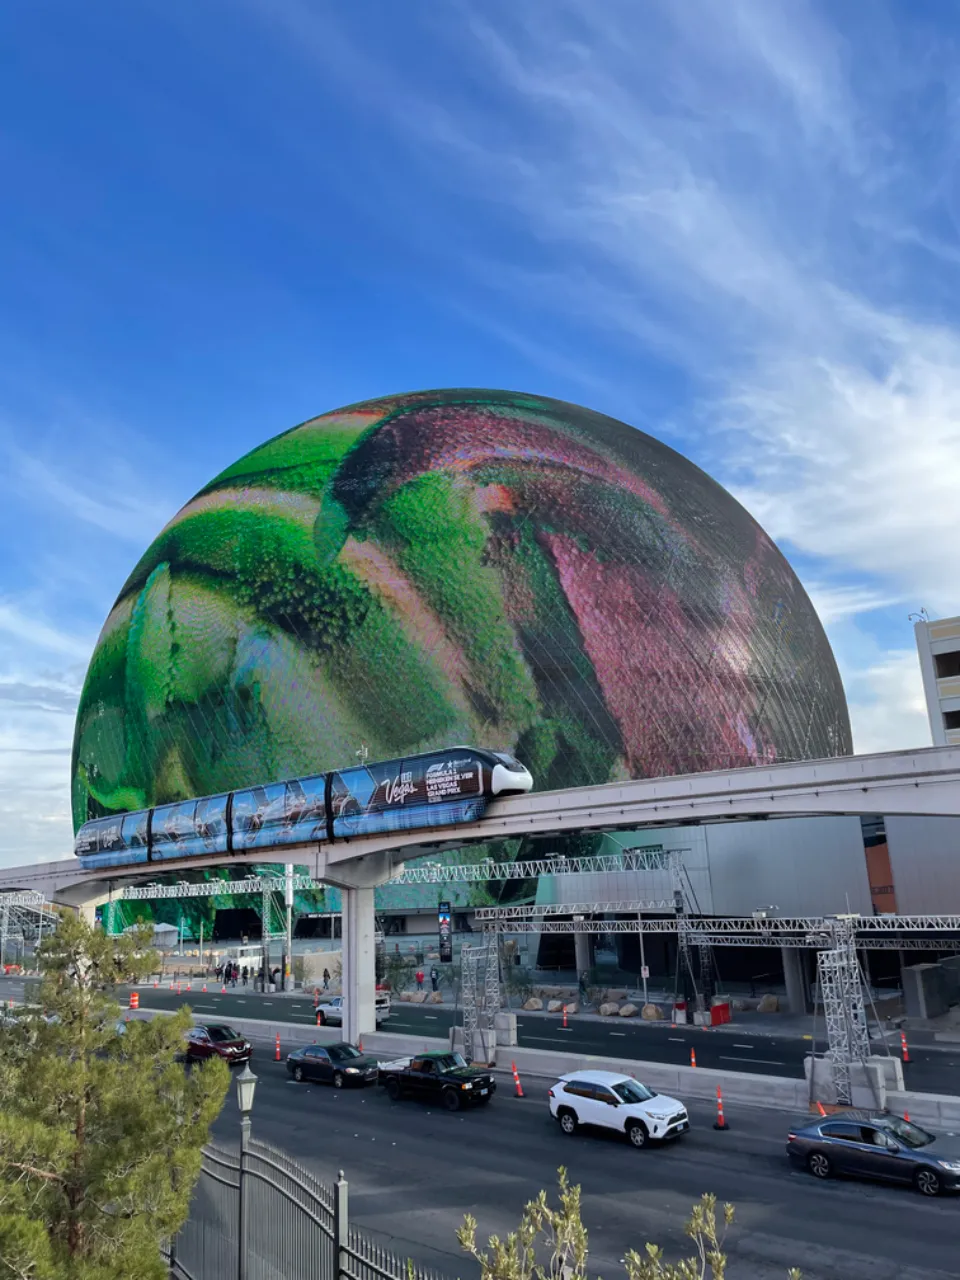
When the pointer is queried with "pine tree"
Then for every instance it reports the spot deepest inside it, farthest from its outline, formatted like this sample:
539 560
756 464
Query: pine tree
100 1131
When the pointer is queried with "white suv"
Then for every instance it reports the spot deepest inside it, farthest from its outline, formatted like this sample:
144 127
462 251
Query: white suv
611 1101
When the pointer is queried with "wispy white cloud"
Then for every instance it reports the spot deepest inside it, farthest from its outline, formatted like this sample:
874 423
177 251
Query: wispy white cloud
39 634
733 191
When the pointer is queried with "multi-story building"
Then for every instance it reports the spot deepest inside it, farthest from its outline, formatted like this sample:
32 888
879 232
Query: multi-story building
938 644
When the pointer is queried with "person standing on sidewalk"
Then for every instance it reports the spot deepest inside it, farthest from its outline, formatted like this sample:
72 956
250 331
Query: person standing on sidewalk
326 979
419 979
435 978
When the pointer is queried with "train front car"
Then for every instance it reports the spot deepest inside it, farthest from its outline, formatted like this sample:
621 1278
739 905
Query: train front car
509 777
122 840
438 789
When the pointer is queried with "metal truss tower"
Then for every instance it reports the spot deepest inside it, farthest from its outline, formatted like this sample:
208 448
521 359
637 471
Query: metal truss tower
479 990
841 990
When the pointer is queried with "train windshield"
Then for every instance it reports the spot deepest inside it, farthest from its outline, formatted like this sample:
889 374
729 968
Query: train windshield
508 762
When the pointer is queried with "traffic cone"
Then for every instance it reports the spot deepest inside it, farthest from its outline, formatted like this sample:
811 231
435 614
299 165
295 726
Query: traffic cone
319 1023
820 1110
188 986
564 1015
276 1056
223 989
134 999
906 1116
720 1123
903 1047
693 1057
516 1080
360 1043
155 984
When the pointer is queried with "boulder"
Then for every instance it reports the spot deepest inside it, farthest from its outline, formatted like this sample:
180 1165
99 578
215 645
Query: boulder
614 995
555 1006
609 1009
572 1007
629 1011
651 1013
436 997
768 1004
419 997
405 996
533 1004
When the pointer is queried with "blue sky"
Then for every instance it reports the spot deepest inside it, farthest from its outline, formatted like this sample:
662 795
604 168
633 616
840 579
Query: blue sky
732 224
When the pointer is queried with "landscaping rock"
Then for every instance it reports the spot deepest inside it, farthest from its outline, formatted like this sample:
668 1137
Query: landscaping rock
555 1006
651 1013
612 995
768 1004
572 1007
533 1004
419 997
436 997
629 1011
609 1009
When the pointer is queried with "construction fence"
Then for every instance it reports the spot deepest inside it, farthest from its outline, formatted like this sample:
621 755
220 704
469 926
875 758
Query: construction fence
258 1215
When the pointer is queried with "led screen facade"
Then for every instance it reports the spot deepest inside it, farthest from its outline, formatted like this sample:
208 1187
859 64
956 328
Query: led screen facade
450 567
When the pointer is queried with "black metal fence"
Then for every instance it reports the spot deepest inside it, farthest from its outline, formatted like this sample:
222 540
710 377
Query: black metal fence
258 1215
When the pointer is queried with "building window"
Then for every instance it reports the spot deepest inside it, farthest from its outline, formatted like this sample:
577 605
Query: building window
947 665
951 719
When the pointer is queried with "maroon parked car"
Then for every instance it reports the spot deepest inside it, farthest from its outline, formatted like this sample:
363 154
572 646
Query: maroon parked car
216 1039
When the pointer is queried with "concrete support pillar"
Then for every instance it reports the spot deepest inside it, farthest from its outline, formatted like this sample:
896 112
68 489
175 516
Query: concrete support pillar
584 944
795 977
359 963
356 878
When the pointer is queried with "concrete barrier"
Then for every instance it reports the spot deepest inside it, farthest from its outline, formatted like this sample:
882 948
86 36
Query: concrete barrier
938 1111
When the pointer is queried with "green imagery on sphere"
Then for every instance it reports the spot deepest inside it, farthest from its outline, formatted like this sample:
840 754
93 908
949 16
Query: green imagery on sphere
453 567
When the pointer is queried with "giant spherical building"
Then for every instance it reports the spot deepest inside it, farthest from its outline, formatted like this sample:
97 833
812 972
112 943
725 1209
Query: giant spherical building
453 566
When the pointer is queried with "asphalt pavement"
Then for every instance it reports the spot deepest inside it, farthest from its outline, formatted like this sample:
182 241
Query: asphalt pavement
414 1171
929 1071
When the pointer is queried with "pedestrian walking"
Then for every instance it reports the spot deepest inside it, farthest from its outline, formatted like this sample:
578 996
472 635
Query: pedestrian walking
244 975
435 978
419 979
234 974
326 979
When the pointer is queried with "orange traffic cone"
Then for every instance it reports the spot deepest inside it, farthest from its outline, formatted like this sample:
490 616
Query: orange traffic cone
204 987
906 1116
223 989
693 1057
360 1043
516 1080
820 1110
903 1046
720 1123
564 1015
276 1056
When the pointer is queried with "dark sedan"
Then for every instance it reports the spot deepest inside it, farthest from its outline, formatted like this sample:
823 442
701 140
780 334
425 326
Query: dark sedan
216 1040
336 1064
884 1147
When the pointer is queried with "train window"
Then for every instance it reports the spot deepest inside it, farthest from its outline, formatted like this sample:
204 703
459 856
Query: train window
509 762
134 835
174 823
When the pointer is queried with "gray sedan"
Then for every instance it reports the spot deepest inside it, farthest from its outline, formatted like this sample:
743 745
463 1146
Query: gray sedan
881 1147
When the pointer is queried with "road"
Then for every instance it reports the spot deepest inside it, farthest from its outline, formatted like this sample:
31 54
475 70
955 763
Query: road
929 1071
414 1171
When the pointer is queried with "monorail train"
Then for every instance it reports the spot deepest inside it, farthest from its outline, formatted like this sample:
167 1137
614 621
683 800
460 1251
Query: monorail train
440 788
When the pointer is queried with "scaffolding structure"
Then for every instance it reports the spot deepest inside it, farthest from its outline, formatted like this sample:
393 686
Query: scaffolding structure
841 990
24 918
479 991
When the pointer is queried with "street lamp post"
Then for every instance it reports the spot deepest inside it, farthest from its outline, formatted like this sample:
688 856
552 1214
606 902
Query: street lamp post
246 1087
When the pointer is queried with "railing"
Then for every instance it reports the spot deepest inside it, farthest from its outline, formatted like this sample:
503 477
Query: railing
258 1215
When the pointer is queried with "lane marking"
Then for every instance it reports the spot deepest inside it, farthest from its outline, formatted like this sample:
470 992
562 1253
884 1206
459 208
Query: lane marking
431 1017
743 1046
677 1039
618 1033
767 1062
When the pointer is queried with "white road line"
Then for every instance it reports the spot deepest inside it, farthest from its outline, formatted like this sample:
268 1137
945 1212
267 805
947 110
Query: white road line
431 1017
618 1033
743 1046
540 1039
767 1062
677 1039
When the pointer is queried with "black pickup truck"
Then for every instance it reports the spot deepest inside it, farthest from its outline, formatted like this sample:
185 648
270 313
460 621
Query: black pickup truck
438 1077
